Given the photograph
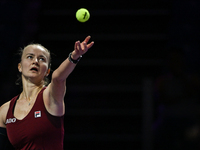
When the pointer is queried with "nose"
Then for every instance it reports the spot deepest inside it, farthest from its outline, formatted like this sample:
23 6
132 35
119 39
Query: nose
35 61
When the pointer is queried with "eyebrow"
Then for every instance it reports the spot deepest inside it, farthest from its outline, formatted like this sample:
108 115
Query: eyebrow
29 54
34 55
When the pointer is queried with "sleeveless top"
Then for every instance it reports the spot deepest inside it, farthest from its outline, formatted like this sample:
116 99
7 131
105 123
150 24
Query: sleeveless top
39 130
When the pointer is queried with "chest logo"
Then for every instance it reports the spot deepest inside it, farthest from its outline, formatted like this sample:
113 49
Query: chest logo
10 120
38 114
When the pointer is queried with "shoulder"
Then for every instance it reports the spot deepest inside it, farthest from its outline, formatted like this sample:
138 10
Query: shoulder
3 112
4 107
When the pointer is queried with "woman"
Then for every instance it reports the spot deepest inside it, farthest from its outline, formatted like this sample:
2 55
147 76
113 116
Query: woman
34 118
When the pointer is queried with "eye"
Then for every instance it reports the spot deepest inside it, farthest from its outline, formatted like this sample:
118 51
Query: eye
29 57
42 59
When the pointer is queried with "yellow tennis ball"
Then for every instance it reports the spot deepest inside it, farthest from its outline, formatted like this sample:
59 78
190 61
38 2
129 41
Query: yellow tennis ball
82 15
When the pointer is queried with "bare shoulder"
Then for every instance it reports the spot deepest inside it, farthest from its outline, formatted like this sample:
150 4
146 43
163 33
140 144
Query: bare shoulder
3 113
4 108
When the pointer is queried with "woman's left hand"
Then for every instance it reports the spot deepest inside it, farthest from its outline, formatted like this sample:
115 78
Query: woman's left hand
81 48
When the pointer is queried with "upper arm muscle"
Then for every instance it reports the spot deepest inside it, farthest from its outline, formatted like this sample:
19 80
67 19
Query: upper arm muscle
3 113
54 99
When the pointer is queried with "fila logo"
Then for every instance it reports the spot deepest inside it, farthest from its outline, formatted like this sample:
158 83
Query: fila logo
10 120
38 114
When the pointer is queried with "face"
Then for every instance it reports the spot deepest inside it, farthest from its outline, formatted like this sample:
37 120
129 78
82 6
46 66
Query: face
34 63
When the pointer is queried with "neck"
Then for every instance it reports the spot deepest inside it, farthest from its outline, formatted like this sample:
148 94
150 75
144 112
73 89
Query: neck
30 93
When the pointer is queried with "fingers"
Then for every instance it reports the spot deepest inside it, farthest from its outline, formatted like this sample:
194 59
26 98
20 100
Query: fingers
83 47
90 45
87 39
76 44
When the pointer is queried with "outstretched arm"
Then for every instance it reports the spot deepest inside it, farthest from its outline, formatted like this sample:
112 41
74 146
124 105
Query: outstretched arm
63 71
55 92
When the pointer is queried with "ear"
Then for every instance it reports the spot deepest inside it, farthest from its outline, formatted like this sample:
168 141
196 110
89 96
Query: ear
19 67
48 71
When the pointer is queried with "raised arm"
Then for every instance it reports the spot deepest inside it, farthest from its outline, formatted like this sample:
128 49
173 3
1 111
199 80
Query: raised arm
55 91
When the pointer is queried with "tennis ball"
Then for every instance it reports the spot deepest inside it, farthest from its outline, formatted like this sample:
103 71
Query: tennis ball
82 15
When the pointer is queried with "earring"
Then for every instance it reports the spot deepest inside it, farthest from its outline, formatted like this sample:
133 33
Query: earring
48 72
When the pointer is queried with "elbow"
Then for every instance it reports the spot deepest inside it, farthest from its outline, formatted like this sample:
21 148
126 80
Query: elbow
57 78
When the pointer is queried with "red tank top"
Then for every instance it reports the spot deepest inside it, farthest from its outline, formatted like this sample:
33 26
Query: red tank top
39 130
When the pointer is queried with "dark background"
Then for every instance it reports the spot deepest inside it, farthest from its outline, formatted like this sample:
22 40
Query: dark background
113 98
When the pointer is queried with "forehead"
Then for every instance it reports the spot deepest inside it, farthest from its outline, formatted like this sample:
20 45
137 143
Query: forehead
36 50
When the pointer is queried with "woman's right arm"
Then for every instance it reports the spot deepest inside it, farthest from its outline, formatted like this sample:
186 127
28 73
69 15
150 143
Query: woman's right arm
3 113
4 142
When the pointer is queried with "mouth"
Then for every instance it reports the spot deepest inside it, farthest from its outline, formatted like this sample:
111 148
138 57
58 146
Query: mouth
34 69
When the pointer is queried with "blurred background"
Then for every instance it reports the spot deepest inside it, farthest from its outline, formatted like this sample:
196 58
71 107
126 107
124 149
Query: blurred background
137 88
